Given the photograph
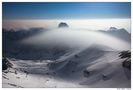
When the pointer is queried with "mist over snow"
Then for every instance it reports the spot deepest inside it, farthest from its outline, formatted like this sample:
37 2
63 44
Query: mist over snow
66 57
76 38
66 45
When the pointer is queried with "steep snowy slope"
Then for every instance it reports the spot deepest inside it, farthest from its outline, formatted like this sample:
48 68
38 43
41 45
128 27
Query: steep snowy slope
95 68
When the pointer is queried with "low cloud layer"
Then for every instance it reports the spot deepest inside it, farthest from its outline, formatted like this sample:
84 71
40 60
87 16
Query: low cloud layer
76 38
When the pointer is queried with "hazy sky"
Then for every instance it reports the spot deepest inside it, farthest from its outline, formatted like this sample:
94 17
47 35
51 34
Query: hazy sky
90 15
65 10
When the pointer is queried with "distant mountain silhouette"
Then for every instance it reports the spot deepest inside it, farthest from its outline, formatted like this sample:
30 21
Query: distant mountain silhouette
63 25
119 33
112 28
21 33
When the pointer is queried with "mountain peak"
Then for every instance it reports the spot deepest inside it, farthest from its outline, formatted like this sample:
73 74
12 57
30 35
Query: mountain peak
63 25
112 28
118 30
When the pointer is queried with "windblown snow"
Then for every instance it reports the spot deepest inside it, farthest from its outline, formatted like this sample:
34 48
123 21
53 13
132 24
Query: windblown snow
91 60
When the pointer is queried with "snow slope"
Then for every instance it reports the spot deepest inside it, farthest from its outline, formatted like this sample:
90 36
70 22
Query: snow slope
93 61
70 74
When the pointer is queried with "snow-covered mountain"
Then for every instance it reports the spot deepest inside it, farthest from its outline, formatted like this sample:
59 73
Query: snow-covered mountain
68 58
88 68
119 33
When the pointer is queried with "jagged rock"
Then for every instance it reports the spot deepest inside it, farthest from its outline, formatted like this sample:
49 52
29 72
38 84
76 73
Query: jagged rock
86 73
6 64
127 56
127 64
105 77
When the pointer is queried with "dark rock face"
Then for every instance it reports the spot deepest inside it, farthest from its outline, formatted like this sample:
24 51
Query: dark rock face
63 25
6 64
127 56
86 73
127 64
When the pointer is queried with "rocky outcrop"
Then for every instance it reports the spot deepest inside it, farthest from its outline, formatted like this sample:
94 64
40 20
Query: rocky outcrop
127 56
63 25
6 64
